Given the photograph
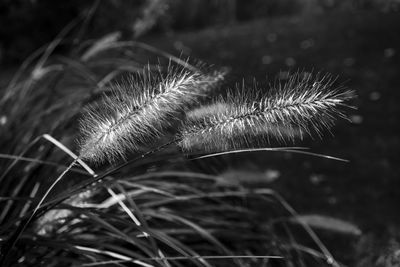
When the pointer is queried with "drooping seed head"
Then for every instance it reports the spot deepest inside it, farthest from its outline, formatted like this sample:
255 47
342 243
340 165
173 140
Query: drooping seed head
139 110
302 106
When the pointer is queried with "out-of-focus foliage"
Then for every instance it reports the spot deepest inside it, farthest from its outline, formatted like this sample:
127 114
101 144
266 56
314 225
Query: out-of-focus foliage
27 25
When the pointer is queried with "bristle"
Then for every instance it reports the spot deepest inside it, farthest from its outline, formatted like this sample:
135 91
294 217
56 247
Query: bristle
138 112
303 105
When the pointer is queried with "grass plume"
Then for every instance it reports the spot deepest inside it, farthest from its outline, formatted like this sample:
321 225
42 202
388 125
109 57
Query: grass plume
304 105
139 110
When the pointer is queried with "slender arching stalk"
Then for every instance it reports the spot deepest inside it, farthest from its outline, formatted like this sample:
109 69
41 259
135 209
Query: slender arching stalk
98 179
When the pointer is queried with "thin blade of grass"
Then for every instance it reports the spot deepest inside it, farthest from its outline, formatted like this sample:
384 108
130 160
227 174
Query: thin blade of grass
49 50
27 148
121 235
86 19
38 161
299 150
142 219
121 44
70 153
179 247
79 68
249 150
317 155
197 228
31 195
100 45
114 255
125 208
183 174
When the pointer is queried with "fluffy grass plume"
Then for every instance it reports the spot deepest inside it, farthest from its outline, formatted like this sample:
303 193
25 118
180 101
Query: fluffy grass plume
306 104
139 110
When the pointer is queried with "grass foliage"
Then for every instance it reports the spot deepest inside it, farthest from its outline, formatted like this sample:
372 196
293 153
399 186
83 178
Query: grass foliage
145 112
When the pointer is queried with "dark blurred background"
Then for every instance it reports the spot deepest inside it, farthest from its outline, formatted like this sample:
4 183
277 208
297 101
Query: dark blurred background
25 25
356 40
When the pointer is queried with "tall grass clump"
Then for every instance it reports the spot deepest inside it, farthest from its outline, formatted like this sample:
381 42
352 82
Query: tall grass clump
137 118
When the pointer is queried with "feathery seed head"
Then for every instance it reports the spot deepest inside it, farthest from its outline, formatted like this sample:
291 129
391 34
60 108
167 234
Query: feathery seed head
303 105
138 111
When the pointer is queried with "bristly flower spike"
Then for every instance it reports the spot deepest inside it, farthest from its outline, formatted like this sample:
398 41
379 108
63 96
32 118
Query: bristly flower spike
304 105
139 110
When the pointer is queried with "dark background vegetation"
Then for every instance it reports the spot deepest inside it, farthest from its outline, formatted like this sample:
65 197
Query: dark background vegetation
357 40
